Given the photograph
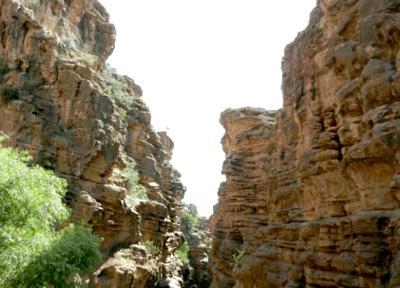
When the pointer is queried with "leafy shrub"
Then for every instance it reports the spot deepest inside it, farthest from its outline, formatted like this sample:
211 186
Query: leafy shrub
118 90
32 2
188 218
183 253
73 250
32 252
152 248
87 57
136 192
239 253
10 94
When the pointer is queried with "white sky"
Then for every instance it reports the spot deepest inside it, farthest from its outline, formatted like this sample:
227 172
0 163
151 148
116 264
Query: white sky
195 58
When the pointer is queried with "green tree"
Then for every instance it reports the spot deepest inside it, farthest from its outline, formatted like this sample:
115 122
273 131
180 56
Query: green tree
183 253
136 192
187 219
34 251
192 209
189 216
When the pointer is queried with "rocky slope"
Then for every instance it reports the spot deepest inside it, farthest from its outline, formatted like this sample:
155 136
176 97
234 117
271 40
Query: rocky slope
311 197
76 116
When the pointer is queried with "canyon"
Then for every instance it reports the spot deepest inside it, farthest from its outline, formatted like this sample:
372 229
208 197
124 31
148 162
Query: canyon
311 197
312 191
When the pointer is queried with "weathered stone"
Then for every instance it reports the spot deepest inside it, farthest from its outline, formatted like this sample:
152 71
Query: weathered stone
68 122
311 197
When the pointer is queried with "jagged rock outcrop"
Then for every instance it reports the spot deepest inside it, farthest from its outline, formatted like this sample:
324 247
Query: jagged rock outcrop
58 103
311 197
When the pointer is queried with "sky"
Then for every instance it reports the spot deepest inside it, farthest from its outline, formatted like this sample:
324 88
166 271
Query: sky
196 58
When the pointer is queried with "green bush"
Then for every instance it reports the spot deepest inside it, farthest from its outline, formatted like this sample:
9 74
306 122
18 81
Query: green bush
136 192
10 94
239 253
183 253
152 248
188 218
33 253
118 90
72 251
87 57
32 2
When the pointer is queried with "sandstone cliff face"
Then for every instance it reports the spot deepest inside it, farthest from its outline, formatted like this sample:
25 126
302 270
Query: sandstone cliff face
58 102
311 197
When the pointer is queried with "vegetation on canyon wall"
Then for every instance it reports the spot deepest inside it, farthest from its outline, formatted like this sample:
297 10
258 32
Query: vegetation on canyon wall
189 217
135 192
37 245
119 90
194 252
80 119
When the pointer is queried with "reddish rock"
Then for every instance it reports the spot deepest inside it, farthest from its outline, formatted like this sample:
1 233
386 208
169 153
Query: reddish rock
311 197
63 113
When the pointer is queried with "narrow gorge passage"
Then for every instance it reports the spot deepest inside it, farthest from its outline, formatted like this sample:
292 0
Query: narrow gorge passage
311 197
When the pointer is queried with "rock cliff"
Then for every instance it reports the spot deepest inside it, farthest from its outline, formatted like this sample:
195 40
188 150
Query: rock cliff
79 118
311 197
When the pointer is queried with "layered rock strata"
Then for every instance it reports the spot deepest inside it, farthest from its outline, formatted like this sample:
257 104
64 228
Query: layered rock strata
57 103
311 197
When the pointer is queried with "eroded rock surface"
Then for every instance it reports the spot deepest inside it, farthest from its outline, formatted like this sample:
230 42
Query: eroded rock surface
312 191
56 102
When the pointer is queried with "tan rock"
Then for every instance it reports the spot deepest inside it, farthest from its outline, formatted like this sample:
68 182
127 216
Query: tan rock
65 116
311 197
